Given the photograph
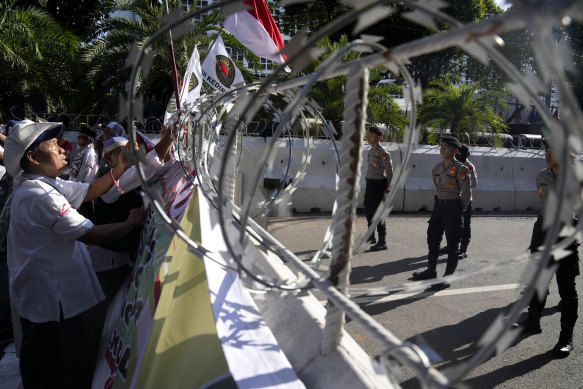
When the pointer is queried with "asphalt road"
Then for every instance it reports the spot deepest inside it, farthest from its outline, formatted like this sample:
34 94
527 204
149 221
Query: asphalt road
452 321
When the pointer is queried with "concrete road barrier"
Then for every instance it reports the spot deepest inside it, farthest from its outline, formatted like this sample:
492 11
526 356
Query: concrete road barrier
505 176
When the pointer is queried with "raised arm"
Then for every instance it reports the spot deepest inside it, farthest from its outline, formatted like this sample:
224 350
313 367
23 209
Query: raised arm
165 143
105 182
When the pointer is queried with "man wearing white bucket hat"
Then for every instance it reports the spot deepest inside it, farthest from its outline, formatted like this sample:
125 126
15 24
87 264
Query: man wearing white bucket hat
52 284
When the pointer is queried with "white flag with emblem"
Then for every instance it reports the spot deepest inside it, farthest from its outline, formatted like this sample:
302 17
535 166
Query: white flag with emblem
218 70
170 109
192 80
191 84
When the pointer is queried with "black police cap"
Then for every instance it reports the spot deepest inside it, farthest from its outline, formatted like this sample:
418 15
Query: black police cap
451 140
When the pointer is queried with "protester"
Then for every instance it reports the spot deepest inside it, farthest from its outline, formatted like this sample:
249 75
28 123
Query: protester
53 288
113 129
111 260
83 166
108 131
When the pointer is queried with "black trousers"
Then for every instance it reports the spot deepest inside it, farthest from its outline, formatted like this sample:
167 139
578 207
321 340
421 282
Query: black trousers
373 196
110 281
60 354
466 229
446 217
566 272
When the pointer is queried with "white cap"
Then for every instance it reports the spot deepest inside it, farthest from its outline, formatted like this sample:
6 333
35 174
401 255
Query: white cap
22 136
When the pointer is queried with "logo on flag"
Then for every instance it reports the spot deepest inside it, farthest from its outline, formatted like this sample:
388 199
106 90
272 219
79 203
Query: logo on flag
218 70
225 70
171 108
193 83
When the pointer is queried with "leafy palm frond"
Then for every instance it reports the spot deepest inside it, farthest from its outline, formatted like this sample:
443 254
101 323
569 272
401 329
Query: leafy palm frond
463 108
37 54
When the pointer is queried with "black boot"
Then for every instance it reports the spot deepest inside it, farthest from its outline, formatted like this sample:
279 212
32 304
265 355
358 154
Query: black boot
380 246
564 346
424 275
452 260
463 252
530 325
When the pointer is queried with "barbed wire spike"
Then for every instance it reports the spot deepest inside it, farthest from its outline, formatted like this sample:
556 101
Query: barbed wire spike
421 17
372 16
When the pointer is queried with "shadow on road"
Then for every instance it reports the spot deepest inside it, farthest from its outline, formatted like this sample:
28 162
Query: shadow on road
509 372
456 343
366 274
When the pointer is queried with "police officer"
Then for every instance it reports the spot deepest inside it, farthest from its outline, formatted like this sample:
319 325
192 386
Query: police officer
378 182
467 215
566 272
452 184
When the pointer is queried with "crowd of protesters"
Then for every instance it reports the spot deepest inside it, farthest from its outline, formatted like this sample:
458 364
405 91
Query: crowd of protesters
70 225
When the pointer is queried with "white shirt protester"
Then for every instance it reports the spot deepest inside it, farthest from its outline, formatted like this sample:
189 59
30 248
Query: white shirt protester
87 158
43 210
105 259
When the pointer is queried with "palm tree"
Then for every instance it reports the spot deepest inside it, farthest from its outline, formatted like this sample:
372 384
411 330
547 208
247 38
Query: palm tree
106 55
382 108
461 107
37 54
329 94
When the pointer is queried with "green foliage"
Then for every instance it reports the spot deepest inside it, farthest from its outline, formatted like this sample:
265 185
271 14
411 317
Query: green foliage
396 30
463 108
79 16
310 16
106 55
382 108
37 55
575 39
329 94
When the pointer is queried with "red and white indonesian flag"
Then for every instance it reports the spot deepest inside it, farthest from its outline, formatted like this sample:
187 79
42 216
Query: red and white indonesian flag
256 30
218 70
192 80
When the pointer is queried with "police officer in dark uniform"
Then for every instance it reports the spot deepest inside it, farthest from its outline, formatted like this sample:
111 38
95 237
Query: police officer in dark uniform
451 179
467 215
378 182
566 272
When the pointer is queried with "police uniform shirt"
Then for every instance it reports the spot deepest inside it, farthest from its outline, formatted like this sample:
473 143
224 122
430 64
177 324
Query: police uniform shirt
452 182
545 180
379 164
473 174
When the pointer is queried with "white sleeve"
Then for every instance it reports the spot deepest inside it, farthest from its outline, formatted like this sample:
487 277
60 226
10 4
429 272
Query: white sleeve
130 180
85 169
74 192
57 213
92 165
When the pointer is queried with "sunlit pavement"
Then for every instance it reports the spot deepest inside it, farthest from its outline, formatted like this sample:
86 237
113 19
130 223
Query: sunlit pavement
451 321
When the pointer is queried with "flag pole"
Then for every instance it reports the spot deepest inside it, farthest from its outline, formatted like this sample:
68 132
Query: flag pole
173 61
